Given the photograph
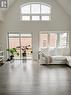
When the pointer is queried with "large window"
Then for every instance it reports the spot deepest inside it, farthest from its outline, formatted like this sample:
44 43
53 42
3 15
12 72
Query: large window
22 42
35 12
43 40
63 40
54 40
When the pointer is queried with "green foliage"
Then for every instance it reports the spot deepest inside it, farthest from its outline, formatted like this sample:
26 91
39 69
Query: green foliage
12 51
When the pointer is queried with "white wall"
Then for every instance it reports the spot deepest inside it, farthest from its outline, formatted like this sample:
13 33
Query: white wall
70 36
0 32
59 22
1 16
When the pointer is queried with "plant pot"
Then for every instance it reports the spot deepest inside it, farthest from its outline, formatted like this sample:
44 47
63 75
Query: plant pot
11 57
24 54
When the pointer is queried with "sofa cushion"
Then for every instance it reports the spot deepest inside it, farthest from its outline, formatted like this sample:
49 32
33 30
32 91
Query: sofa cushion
58 58
66 51
58 52
51 51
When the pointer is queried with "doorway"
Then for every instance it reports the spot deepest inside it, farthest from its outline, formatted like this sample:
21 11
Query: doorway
23 44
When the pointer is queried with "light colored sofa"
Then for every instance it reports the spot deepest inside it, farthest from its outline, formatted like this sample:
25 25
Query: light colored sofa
58 55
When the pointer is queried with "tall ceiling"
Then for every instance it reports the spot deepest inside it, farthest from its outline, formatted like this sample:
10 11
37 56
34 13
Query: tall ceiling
66 4
11 2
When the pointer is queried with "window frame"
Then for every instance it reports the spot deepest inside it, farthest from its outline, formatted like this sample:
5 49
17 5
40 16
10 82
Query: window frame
37 14
58 39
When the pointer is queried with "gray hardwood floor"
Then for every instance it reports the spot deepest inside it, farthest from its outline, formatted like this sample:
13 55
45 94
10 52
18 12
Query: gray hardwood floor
30 78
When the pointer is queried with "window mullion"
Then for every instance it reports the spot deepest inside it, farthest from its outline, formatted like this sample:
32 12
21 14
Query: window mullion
58 40
48 40
45 14
25 14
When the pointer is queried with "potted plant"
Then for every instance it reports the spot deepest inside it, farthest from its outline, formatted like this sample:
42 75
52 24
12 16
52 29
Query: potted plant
24 48
12 52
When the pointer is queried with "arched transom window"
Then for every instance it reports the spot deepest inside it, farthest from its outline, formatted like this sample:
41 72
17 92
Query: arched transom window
35 12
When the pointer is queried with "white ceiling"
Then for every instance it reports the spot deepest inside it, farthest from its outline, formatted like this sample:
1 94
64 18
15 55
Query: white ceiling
66 4
11 2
